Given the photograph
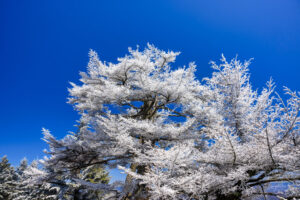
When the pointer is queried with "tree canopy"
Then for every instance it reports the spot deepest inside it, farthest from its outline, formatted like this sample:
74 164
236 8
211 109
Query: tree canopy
177 137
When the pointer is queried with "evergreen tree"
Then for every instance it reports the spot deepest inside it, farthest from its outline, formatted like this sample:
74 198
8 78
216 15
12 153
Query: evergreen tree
8 179
15 184
94 174
25 190
174 136
22 190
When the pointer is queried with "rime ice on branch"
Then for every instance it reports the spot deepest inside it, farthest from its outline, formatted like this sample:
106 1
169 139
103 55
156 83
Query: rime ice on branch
176 137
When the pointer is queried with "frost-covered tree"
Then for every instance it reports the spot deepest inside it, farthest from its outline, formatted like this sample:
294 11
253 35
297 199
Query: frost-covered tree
25 190
16 183
176 137
7 179
21 190
93 174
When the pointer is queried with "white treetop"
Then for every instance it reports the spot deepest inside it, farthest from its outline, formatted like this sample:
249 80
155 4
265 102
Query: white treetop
176 137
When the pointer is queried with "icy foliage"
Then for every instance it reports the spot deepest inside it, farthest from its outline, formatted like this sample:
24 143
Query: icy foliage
7 179
174 136
15 183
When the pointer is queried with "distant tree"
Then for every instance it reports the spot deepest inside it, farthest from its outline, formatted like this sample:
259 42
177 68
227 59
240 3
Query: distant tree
175 137
7 179
24 190
93 174
21 190
15 184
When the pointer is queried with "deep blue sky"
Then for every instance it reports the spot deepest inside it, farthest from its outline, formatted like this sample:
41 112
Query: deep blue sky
44 44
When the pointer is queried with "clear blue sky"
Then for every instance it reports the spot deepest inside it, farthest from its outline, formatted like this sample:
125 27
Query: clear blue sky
44 45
